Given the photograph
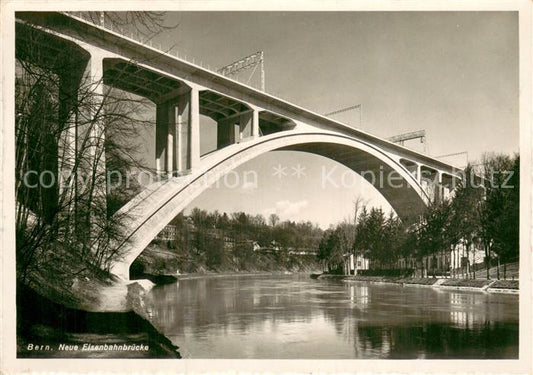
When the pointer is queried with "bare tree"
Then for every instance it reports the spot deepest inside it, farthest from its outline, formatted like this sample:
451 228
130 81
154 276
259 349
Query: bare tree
70 131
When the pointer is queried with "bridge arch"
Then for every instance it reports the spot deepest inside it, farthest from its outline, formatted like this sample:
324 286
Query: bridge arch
152 209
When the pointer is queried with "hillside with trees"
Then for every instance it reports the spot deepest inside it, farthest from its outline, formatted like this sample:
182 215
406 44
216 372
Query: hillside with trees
221 242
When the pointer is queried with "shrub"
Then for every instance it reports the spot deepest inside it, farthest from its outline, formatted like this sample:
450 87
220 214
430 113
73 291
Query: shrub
393 272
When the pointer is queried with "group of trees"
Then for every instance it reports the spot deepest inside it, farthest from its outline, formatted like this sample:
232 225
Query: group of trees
499 227
204 234
372 234
482 213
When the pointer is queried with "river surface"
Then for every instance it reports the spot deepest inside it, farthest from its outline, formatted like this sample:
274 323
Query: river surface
300 318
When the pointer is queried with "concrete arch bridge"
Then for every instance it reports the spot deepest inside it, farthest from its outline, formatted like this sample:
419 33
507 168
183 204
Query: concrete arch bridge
248 123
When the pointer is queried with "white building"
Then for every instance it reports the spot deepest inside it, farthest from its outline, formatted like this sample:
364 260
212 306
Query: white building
168 233
354 263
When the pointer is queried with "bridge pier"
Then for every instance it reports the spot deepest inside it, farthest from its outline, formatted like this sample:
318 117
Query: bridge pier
82 120
245 125
438 185
237 128
68 95
225 132
90 134
255 123
429 180
448 183
178 133
412 167
81 154
96 115
165 134
439 194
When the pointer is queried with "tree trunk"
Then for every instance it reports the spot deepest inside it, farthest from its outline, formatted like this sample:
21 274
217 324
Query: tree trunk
473 250
454 263
468 265
441 265
498 269
505 271
487 260
462 266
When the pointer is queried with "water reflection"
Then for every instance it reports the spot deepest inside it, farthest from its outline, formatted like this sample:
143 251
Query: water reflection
296 317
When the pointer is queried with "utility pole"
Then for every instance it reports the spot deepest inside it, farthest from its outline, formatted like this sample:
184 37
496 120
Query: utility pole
401 138
351 108
248 62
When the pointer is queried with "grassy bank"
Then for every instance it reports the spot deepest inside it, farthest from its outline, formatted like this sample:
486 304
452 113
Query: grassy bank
509 286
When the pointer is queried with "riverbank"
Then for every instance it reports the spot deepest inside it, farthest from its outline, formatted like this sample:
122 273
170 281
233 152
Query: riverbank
489 286
157 259
46 329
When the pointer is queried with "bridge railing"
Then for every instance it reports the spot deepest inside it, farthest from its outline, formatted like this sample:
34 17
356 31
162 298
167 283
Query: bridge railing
98 19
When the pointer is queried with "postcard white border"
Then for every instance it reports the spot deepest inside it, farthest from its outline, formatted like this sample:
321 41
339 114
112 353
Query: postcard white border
10 364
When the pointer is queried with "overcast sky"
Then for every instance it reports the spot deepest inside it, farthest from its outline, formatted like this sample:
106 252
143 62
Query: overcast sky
452 74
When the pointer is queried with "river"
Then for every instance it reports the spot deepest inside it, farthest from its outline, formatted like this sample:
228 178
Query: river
296 317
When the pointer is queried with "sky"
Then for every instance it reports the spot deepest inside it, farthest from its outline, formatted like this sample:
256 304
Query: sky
452 74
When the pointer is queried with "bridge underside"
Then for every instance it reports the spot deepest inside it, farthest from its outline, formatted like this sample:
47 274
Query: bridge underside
405 200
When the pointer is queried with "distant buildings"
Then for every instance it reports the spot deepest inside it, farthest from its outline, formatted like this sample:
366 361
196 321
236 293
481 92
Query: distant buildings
352 264
168 233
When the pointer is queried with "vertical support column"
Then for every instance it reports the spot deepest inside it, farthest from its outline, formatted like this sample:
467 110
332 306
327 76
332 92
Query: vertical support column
255 123
97 126
161 131
225 133
165 136
90 185
182 141
439 191
69 106
445 187
195 128
68 103
188 131
249 124
419 173
97 129
245 125
171 110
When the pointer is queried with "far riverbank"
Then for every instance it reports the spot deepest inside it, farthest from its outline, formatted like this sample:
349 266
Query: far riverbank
160 264
162 279
488 286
